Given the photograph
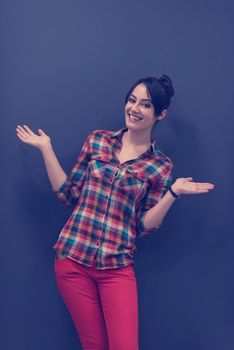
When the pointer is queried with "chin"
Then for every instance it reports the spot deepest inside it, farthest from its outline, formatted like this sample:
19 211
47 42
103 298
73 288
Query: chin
132 125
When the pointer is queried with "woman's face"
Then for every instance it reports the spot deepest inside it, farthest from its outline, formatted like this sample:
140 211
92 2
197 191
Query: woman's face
139 110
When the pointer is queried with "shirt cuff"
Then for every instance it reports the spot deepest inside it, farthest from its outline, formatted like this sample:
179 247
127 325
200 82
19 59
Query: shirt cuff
60 192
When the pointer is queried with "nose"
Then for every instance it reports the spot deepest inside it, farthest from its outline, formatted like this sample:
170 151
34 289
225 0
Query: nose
135 107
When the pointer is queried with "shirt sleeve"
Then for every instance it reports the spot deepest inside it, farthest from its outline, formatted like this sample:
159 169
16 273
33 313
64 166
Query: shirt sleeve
69 191
154 193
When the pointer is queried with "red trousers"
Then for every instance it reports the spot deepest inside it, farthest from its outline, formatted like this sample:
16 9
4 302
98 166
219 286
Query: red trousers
103 304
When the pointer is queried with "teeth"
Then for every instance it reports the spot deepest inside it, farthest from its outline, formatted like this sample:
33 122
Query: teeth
134 117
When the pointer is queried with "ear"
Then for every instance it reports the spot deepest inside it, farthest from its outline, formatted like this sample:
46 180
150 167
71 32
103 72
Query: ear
162 114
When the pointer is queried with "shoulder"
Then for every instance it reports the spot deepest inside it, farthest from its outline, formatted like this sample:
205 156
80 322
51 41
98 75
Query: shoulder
160 165
159 157
101 133
162 158
100 139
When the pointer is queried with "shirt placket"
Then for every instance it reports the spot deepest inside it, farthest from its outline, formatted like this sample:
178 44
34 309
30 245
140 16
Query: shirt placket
108 195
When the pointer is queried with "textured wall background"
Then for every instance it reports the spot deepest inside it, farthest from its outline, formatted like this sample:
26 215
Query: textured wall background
65 68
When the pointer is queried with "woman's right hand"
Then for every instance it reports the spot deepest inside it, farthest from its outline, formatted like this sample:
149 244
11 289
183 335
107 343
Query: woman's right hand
26 135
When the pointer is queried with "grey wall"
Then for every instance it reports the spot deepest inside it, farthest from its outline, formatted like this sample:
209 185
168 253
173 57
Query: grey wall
65 68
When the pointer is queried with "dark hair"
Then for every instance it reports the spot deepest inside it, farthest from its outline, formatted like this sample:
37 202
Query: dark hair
160 91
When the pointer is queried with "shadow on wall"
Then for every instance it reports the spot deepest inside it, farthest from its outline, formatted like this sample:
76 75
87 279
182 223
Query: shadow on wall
189 222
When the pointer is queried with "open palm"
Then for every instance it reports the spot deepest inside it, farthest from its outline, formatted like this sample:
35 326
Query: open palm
26 135
187 186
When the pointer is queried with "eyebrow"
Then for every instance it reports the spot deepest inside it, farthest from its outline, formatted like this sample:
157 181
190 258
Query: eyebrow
143 99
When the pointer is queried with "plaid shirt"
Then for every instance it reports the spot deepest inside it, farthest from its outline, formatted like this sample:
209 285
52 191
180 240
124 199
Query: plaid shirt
110 200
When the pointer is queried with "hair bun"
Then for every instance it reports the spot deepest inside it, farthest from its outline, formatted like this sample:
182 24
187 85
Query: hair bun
167 84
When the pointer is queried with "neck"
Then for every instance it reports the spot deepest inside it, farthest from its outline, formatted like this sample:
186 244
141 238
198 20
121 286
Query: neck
137 137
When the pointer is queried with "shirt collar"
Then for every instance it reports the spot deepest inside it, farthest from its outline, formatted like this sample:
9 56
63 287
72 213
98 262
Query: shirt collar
119 132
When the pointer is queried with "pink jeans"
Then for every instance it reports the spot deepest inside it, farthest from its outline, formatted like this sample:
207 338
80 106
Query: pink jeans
103 304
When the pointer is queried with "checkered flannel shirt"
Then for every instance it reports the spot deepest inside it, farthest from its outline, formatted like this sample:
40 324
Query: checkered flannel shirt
110 199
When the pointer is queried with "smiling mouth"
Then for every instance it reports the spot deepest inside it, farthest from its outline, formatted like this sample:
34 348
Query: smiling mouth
134 117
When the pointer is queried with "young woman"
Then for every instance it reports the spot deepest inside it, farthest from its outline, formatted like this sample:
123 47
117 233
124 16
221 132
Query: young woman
121 188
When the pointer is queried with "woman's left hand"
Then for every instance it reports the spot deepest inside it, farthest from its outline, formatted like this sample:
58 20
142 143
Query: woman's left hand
185 185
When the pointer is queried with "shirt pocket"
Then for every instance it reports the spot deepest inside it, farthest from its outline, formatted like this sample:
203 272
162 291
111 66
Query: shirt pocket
101 168
133 182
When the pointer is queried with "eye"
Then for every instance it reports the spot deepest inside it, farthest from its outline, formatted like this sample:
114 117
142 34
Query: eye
146 105
131 99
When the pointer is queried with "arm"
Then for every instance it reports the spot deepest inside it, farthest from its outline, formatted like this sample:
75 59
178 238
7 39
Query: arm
67 188
153 218
54 170
154 206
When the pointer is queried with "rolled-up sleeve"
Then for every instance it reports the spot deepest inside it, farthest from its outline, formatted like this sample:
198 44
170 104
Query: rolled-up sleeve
153 195
69 191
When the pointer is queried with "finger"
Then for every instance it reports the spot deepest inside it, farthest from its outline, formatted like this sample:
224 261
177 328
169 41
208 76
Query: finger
22 131
20 128
187 179
204 183
203 191
22 138
41 132
29 130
